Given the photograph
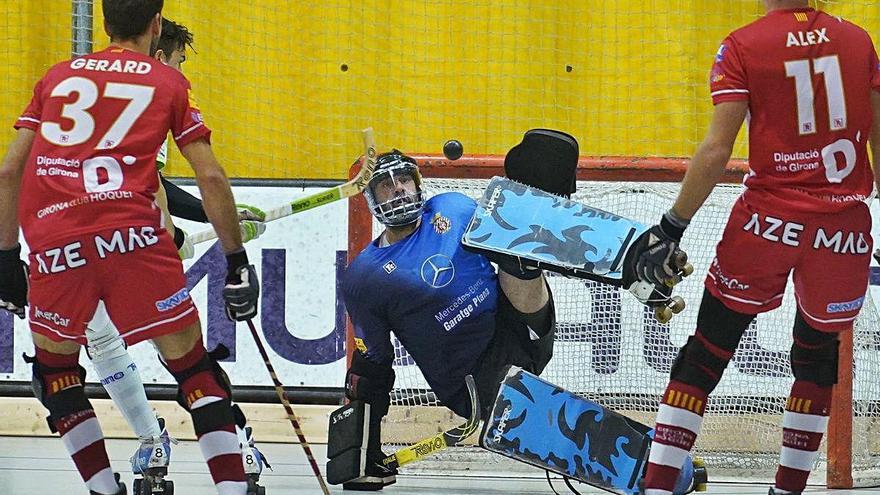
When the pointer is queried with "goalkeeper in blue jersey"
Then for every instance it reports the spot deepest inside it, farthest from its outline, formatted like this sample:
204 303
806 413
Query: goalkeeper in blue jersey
448 306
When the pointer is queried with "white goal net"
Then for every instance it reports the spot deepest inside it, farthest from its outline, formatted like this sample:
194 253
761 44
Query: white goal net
610 349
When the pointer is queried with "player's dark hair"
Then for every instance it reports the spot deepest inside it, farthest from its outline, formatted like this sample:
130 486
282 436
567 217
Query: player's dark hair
174 37
127 19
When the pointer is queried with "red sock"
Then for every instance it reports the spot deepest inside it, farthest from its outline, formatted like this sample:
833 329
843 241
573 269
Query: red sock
803 424
678 424
212 417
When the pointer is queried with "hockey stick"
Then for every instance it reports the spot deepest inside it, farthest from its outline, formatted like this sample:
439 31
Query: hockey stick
441 440
320 198
279 389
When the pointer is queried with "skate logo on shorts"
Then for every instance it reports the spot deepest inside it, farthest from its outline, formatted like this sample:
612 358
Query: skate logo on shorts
174 301
51 317
845 307
502 425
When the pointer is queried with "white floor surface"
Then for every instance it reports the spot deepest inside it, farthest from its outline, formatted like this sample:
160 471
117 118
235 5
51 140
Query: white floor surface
40 466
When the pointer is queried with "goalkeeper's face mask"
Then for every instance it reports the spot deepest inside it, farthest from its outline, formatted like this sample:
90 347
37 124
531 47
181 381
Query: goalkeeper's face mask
394 193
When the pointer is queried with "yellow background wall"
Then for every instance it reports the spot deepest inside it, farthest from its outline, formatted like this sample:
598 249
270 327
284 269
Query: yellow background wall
626 77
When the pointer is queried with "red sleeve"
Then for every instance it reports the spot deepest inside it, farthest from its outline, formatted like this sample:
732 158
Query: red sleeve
187 124
32 115
727 81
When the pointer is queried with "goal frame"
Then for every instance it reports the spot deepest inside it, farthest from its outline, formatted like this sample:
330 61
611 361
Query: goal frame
623 169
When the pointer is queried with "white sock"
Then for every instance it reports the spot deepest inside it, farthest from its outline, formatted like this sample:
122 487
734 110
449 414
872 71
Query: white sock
122 380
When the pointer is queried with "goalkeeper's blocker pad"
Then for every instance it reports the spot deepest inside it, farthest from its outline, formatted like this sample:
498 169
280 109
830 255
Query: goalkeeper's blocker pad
347 439
551 232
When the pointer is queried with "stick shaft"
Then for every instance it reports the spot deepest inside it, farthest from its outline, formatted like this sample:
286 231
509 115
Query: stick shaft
282 395
320 198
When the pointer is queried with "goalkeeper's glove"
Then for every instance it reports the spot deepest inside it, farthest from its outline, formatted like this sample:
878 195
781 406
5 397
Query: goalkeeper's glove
658 249
252 222
185 247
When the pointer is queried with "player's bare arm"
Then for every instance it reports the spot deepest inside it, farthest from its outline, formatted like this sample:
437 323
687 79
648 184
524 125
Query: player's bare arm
659 257
10 181
13 271
711 158
216 193
875 137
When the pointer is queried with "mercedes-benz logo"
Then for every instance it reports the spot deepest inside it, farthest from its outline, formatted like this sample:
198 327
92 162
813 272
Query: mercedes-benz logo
438 271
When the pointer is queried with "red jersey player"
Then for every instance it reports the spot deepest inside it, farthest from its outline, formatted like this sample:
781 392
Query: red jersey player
80 178
809 83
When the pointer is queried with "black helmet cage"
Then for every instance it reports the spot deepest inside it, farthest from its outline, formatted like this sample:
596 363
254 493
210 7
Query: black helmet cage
403 209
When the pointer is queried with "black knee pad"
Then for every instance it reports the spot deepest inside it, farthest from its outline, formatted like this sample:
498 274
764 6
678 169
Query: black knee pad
209 362
370 382
70 397
721 328
212 417
814 354
697 366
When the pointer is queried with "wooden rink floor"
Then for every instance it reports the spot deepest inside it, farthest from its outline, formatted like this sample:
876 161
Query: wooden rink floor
40 466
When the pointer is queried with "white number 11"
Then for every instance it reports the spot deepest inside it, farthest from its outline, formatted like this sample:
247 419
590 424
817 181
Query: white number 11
830 67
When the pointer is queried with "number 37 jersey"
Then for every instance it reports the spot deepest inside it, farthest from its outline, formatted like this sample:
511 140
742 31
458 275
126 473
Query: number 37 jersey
807 77
99 122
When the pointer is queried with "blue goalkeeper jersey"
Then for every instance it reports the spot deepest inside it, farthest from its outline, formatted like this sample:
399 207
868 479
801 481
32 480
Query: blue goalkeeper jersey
438 299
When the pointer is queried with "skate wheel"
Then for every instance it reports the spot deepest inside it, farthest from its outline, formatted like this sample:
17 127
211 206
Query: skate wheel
680 259
169 488
663 314
701 475
687 270
676 304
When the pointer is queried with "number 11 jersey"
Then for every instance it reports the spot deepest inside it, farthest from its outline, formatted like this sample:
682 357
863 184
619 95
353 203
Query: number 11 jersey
807 77
100 120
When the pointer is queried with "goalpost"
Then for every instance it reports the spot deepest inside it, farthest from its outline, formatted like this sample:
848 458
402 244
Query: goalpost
610 349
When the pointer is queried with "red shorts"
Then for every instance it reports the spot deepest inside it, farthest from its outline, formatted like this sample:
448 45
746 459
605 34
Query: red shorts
135 271
829 254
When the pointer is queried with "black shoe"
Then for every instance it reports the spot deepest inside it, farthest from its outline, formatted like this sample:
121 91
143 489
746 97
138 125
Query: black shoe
774 492
376 476
121 491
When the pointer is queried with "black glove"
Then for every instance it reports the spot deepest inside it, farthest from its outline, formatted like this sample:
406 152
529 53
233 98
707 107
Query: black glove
13 281
658 250
242 287
877 255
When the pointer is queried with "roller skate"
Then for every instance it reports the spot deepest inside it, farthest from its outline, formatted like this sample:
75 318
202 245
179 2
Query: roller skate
693 477
150 461
121 491
253 461
659 297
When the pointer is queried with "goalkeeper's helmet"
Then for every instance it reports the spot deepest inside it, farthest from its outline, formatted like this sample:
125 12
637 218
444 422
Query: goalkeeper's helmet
394 193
